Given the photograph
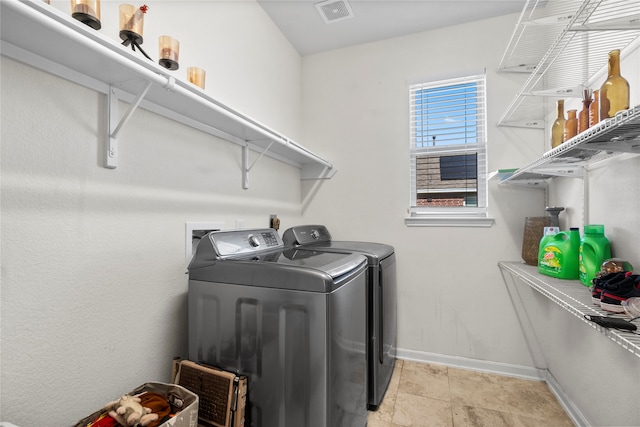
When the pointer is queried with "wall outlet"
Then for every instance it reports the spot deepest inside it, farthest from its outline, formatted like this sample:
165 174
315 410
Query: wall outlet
194 231
239 224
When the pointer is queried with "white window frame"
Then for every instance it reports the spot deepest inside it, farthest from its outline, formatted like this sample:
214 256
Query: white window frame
450 216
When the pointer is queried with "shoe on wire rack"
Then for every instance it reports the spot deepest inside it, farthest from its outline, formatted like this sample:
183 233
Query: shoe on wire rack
615 291
598 283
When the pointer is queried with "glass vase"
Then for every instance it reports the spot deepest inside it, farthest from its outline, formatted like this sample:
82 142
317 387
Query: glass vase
571 125
614 92
583 116
594 111
557 129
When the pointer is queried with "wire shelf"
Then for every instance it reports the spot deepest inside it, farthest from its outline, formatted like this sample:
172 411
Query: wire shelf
619 134
575 298
563 44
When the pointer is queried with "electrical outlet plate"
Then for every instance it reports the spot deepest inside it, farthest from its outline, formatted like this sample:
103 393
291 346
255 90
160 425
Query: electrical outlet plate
197 228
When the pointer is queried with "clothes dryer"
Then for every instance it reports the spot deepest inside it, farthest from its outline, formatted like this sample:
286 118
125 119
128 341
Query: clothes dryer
381 300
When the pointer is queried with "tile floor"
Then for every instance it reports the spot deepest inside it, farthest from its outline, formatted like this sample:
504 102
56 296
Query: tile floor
422 394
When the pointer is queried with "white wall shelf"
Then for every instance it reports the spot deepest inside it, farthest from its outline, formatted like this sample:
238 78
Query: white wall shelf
619 134
562 44
36 34
571 295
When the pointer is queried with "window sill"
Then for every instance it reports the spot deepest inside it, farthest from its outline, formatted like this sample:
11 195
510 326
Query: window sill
447 221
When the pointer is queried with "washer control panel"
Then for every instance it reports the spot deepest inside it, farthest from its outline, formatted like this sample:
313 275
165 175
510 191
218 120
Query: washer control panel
239 242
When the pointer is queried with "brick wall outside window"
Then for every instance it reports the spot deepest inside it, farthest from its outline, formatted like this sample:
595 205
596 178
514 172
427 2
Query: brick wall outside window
441 202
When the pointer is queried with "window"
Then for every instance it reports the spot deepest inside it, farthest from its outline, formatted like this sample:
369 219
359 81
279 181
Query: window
448 152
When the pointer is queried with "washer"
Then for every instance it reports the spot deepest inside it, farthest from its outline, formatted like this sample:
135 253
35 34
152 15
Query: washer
381 300
291 319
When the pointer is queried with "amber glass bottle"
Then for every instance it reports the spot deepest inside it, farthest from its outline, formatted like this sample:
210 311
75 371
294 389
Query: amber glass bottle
614 92
583 116
594 111
570 125
557 129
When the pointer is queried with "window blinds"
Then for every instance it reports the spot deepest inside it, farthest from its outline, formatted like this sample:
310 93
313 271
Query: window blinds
448 147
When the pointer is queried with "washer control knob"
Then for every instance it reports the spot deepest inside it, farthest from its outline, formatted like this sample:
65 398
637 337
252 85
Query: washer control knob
253 241
315 234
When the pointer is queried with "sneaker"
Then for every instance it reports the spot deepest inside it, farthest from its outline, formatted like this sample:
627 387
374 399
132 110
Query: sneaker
598 283
615 291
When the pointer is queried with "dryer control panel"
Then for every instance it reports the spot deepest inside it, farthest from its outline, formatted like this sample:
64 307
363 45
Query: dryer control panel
239 242
306 235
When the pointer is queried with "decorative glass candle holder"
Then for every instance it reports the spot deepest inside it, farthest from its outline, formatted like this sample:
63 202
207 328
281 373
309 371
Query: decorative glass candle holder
169 49
87 12
131 23
196 76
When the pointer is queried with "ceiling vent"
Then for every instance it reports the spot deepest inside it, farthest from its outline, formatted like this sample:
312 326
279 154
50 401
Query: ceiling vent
334 10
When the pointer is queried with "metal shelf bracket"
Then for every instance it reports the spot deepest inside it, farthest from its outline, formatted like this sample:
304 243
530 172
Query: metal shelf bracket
568 170
115 126
245 163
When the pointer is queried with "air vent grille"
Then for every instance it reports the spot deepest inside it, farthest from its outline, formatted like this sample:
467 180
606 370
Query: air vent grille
334 10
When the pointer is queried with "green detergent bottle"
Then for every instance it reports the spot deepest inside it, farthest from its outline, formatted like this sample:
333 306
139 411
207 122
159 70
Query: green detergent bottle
594 250
549 232
559 256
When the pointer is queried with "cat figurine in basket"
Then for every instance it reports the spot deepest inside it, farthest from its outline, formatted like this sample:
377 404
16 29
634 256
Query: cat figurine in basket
128 412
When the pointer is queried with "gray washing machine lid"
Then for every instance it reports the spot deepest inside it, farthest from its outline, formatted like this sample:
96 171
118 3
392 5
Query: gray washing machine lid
318 237
376 250
274 267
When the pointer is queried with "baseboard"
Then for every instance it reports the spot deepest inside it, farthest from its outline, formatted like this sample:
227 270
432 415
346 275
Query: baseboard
569 406
474 364
498 368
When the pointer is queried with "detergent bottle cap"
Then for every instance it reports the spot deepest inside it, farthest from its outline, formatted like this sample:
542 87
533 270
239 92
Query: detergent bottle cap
594 229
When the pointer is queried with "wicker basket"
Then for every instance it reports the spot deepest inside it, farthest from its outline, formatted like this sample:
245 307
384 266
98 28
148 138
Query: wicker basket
533 232
184 405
